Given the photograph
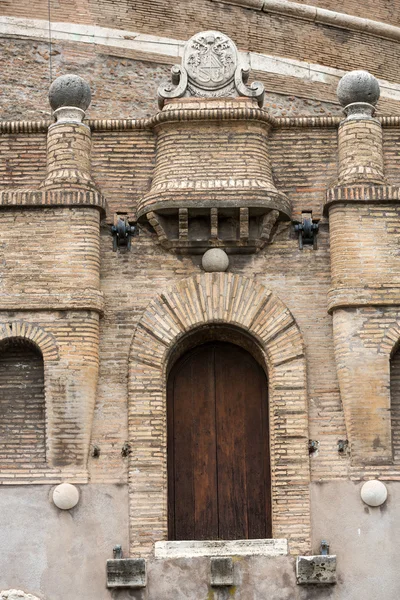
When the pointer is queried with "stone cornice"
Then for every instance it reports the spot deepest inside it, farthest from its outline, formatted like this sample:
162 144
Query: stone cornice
322 16
58 197
362 193
65 300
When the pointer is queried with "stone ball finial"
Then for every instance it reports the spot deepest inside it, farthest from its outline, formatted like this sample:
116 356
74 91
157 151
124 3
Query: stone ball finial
69 97
69 90
358 86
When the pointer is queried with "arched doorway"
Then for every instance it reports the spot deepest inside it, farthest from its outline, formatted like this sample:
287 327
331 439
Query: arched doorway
219 484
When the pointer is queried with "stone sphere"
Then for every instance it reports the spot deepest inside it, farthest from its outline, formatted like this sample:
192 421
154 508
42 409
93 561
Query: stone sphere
374 493
69 90
215 260
358 86
65 496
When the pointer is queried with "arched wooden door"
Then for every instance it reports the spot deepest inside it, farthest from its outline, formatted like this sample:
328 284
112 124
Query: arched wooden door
218 446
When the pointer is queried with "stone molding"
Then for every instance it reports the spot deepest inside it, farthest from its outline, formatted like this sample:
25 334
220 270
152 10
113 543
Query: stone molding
193 549
323 16
367 295
33 127
35 334
87 299
147 46
363 193
245 306
67 197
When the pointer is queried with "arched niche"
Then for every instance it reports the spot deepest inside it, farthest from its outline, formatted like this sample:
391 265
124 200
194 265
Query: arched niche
22 405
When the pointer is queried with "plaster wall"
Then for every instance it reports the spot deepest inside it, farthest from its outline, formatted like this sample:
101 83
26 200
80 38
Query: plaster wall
58 555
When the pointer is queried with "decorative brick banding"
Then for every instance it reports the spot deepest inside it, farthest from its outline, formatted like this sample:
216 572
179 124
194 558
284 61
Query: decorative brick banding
228 301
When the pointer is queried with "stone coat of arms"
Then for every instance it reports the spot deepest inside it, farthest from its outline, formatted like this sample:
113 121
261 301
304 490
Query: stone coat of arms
211 67
210 60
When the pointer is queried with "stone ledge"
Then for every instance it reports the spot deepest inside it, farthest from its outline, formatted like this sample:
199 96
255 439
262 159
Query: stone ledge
362 193
10 199
86 299
353 297
193 549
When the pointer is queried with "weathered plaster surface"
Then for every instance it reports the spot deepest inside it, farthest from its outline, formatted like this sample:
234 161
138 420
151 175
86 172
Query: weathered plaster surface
45 551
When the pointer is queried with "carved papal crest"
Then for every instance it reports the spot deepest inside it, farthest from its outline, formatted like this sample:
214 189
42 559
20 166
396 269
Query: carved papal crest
211 67
210 59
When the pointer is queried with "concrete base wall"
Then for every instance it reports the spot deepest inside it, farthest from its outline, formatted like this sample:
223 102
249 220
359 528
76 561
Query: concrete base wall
61 555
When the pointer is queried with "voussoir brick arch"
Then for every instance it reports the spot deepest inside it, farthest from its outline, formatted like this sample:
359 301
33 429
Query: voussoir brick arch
231 301
33 333
23 331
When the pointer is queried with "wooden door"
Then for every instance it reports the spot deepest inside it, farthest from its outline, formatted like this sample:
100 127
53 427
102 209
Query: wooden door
218 446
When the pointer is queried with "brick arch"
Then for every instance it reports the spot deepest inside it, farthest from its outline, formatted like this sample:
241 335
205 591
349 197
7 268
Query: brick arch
35 334
229 300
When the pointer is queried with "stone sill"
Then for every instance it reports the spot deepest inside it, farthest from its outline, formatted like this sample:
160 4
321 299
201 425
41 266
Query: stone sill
193 549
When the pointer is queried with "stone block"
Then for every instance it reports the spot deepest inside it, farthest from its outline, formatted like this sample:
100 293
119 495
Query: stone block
316 569
126 573
221 571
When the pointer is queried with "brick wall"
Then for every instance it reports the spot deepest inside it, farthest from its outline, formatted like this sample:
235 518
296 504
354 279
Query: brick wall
304 164
22 406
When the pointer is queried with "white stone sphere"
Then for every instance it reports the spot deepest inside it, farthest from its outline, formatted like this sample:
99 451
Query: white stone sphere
374 493
215 260
16 595
69 90
65 496
358 86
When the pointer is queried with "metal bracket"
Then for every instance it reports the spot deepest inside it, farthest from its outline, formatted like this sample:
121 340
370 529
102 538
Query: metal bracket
324 548
307 230
95 451
122 232
343 446
126 449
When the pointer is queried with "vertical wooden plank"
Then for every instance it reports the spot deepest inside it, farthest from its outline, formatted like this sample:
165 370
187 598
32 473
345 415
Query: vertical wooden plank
205 454
231 455
183 400
171 458
194 452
